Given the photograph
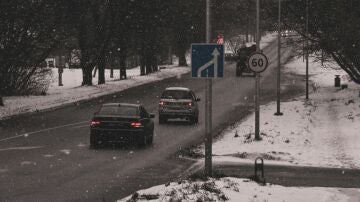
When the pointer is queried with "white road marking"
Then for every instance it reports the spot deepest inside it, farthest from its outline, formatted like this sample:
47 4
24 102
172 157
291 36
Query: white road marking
81 145
20 148
66 151
25 163
81 126
3 170
43 130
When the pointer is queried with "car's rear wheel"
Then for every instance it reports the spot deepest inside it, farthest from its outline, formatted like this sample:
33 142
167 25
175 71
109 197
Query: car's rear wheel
238 70
94 142
193 119
143 141
151 138
162 119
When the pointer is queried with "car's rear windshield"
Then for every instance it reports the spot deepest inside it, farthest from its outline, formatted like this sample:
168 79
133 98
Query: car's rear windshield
176 94
119 110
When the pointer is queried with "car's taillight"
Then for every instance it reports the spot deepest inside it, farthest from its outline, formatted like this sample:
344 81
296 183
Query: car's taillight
162 103
136 125
95 123
188 104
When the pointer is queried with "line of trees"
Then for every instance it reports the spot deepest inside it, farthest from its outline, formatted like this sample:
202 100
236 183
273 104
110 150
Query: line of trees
31 29
100 29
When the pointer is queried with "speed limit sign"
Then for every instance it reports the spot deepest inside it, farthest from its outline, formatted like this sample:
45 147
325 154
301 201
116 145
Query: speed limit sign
258 62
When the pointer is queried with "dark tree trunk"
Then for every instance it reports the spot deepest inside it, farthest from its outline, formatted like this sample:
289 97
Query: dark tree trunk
1 101
181 50
182 59
148 64
170 61
101 66
142 64
247 29
87 77
155 64
123 66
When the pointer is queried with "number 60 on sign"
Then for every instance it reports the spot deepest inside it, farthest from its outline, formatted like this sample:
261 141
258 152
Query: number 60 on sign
258 62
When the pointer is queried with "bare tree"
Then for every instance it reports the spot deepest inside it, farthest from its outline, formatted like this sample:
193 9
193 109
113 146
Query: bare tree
29 31
333 28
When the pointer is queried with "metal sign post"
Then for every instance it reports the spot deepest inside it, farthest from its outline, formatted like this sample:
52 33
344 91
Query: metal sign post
257 75
258 62
307 49
207 61
208 104
278 112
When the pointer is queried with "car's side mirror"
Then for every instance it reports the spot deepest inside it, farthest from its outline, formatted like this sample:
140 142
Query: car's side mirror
197 99
151 115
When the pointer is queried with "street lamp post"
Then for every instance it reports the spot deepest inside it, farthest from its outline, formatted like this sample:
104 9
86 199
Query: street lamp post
257 75
307 49
208 103
119 63
112 65
278 112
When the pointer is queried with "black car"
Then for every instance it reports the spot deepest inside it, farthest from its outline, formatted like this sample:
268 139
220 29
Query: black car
121 122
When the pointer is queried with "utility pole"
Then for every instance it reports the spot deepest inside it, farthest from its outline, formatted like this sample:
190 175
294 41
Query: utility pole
257 75
278 112
112 65
208 102
307 49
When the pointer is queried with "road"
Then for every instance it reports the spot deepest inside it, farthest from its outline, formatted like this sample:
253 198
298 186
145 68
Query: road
45 156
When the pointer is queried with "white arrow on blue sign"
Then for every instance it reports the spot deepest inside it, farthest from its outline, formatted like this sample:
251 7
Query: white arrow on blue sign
207 61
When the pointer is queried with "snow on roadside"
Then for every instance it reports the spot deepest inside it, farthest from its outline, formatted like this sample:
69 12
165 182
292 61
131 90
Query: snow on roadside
72 91
320 132
72 78
235 189
267 39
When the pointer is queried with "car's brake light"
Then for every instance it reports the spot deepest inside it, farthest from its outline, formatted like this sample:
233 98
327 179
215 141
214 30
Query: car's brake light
188 104
95 123
136 125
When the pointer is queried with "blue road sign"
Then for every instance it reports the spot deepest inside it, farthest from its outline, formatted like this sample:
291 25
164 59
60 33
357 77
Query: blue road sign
207 61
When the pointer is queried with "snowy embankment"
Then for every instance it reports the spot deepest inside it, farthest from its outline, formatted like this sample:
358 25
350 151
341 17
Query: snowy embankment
235 190
322 131
72 91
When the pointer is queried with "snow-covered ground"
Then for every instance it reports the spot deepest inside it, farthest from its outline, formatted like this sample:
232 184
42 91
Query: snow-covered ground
235 190
72 91
322 131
